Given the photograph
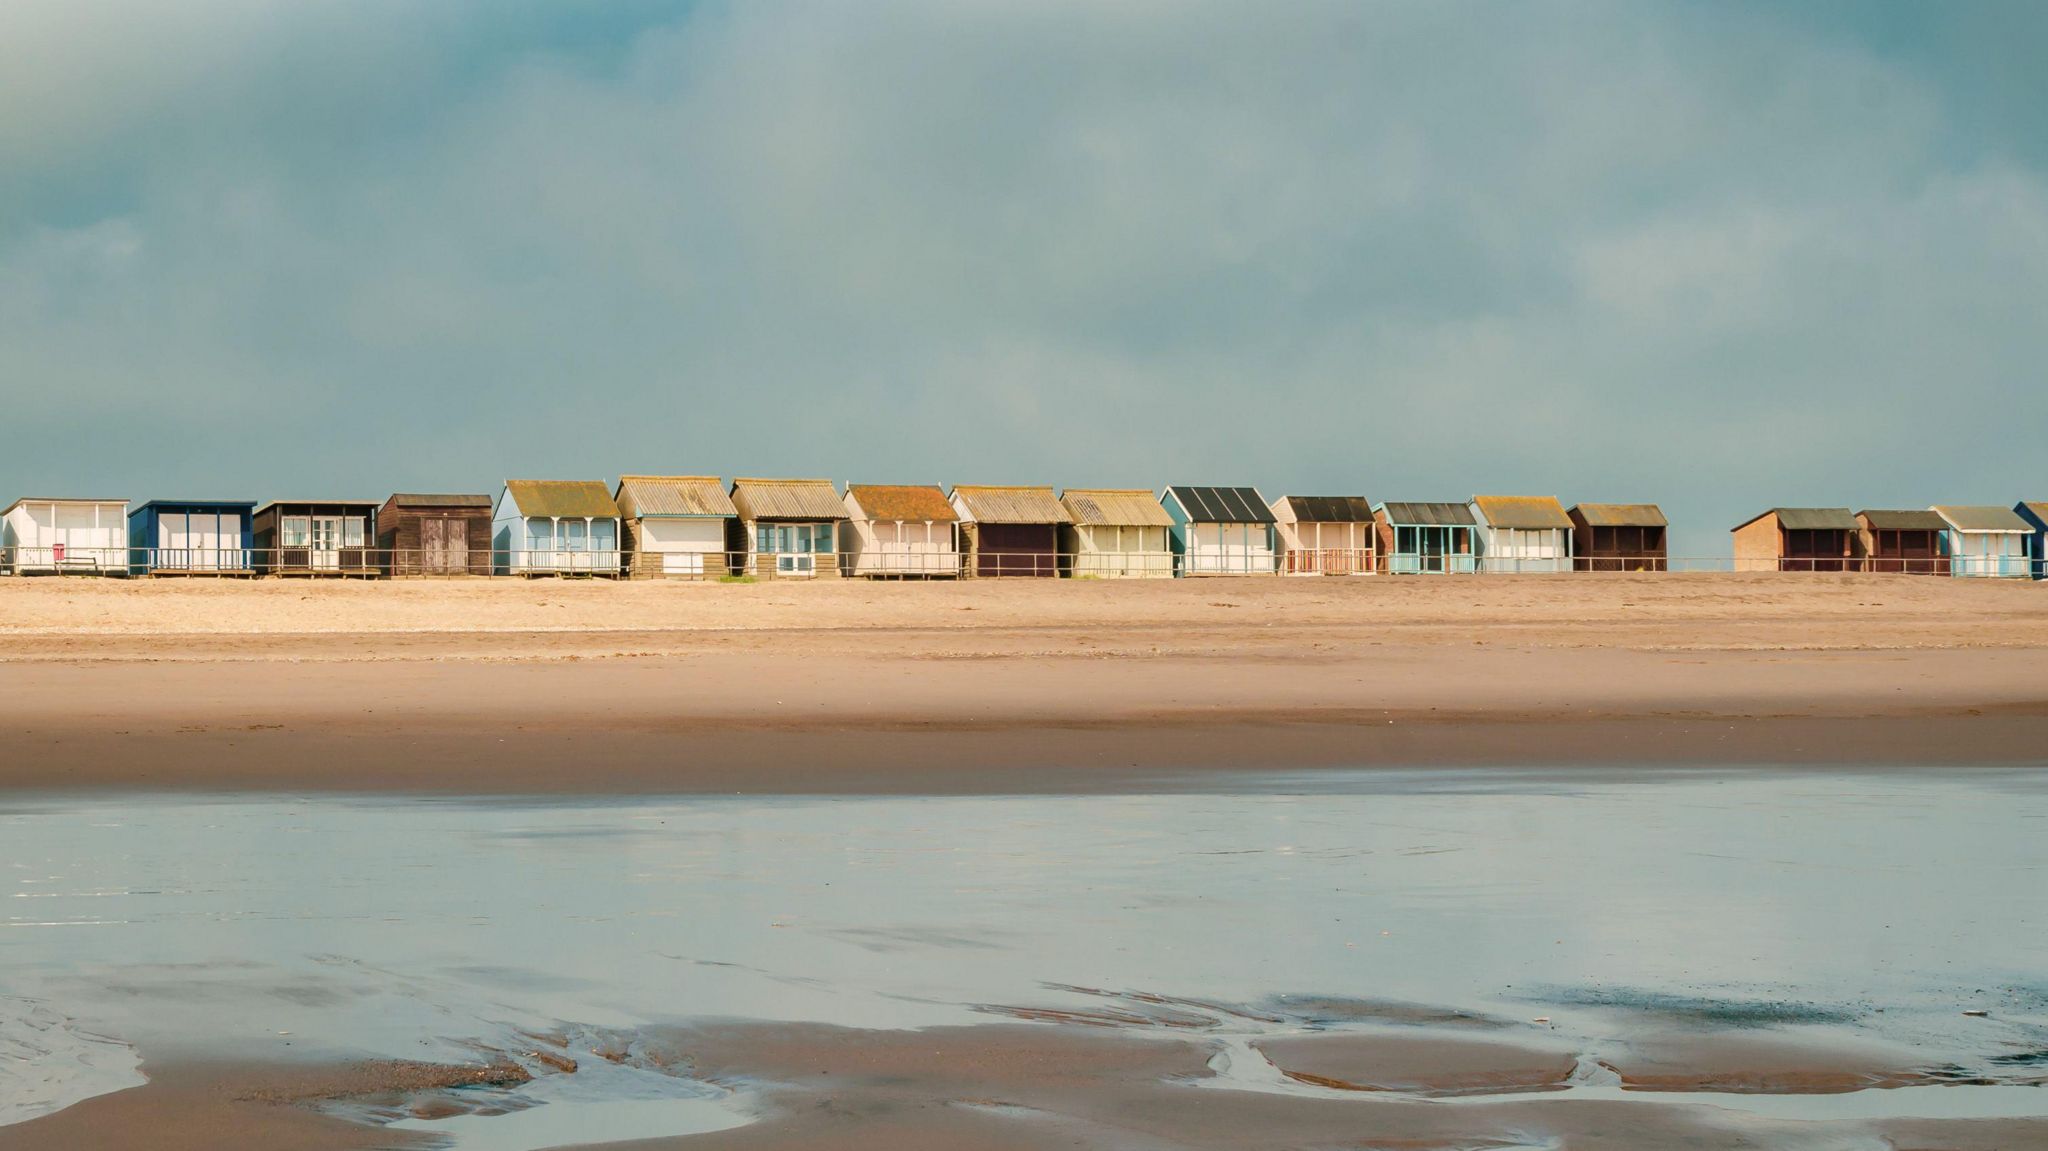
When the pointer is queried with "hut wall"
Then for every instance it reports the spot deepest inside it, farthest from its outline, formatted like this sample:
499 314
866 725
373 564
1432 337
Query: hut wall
1116 551
56 536
1313 547
1757 545
675 547
900 548
1003 550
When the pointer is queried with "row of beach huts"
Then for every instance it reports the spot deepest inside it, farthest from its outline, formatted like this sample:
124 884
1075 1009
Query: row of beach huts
699 527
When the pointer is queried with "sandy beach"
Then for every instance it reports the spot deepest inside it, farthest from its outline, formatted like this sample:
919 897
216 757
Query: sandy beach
472 686
587 690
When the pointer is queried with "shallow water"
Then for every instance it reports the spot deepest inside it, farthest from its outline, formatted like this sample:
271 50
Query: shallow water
1869 906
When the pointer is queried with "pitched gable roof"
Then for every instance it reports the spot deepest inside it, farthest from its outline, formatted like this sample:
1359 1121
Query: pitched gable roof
1522 513
1115 507
990 504
566 499
813 500
1205 505
1329 509
1621 515
907 503
674 497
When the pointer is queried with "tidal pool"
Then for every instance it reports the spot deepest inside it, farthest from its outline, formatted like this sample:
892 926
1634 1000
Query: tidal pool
1877 907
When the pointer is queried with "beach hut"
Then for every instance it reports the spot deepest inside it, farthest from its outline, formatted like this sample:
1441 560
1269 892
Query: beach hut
1115 533
1798 540
54 536
786 528
901 531
192 537
1618 537
315 538
2035 512
1221 531
1986 542
1522 534
435 534
675 526
1325 535
1426 538
1902 542
555 527
1010 531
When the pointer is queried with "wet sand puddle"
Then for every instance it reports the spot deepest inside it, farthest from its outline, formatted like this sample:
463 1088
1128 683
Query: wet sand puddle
1715 941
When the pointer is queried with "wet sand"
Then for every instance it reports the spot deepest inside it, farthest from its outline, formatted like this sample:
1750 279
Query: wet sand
1020 1087
998 687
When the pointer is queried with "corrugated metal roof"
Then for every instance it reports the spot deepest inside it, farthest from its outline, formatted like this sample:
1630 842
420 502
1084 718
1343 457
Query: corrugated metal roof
567 499
1529 513
1223 505
1329 509
1429 515
1622 515
1115 507
1982 519
1808 519
907 503
1893 520
222 505
1010 505
674 497
431 500
787 500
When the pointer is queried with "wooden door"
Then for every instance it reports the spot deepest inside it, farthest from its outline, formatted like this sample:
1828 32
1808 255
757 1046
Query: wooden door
434 535
454 546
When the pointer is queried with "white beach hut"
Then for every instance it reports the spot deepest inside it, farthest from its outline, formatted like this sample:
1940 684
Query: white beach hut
46 535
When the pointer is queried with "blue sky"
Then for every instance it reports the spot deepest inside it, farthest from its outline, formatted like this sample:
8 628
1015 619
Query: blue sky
1720 256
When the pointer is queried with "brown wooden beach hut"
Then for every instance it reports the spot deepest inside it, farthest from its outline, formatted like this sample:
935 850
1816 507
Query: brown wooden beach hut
1902 542
1798 540
434 534
1010 531
1619 538
316 538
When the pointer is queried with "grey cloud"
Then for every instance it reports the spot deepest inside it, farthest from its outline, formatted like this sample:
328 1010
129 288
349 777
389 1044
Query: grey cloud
1702 256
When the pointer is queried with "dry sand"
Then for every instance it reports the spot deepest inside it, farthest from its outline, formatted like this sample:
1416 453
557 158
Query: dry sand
503 686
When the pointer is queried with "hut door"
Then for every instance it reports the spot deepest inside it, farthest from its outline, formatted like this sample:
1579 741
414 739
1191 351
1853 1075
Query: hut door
444 545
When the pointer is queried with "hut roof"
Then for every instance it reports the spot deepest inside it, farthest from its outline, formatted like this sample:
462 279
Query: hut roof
907 503
1982 519
1329 509
1889 520
1223 505
1011 505
56 500
220 504
1534 513
787 500
673 497
1808 519
564 499
438 500
370 505
1622 515
1115 507
1429 515
2037 508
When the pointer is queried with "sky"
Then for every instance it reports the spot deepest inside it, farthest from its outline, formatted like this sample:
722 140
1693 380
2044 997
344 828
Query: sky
1717 256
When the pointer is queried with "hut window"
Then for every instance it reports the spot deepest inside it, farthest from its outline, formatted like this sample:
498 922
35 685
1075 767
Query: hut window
604 536
352 532
821 538
540 535
1405 540
296 531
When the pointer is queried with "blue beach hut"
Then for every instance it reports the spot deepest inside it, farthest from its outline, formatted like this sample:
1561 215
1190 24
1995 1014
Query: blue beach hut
1427 538
2035 512
1986 542
192 537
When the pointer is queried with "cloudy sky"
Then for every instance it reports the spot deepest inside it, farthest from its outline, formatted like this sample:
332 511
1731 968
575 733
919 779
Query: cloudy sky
1719 256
